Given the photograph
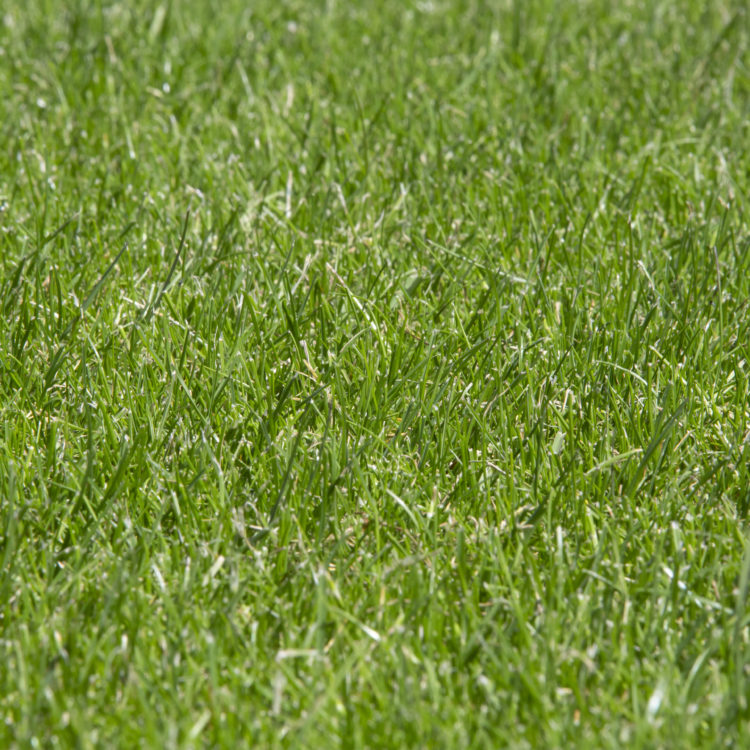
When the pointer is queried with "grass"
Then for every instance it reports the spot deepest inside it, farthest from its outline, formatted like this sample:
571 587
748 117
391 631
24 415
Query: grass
374 374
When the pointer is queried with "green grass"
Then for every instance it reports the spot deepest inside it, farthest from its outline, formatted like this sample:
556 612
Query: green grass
374 374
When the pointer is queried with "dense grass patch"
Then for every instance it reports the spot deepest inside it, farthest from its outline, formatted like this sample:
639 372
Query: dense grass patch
374 374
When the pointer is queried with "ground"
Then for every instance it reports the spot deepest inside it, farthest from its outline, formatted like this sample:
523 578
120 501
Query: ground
374 374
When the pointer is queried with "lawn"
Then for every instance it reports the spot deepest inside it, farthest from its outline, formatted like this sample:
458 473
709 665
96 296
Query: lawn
374 374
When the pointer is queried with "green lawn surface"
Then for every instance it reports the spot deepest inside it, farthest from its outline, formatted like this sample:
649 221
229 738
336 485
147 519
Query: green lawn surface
374 374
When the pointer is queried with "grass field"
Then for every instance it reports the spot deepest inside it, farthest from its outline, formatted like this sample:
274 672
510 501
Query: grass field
374 374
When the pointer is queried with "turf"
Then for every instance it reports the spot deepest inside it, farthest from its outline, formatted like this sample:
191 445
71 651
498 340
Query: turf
374 374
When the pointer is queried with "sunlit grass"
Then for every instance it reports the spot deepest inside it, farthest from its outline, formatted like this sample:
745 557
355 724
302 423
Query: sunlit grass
374 374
